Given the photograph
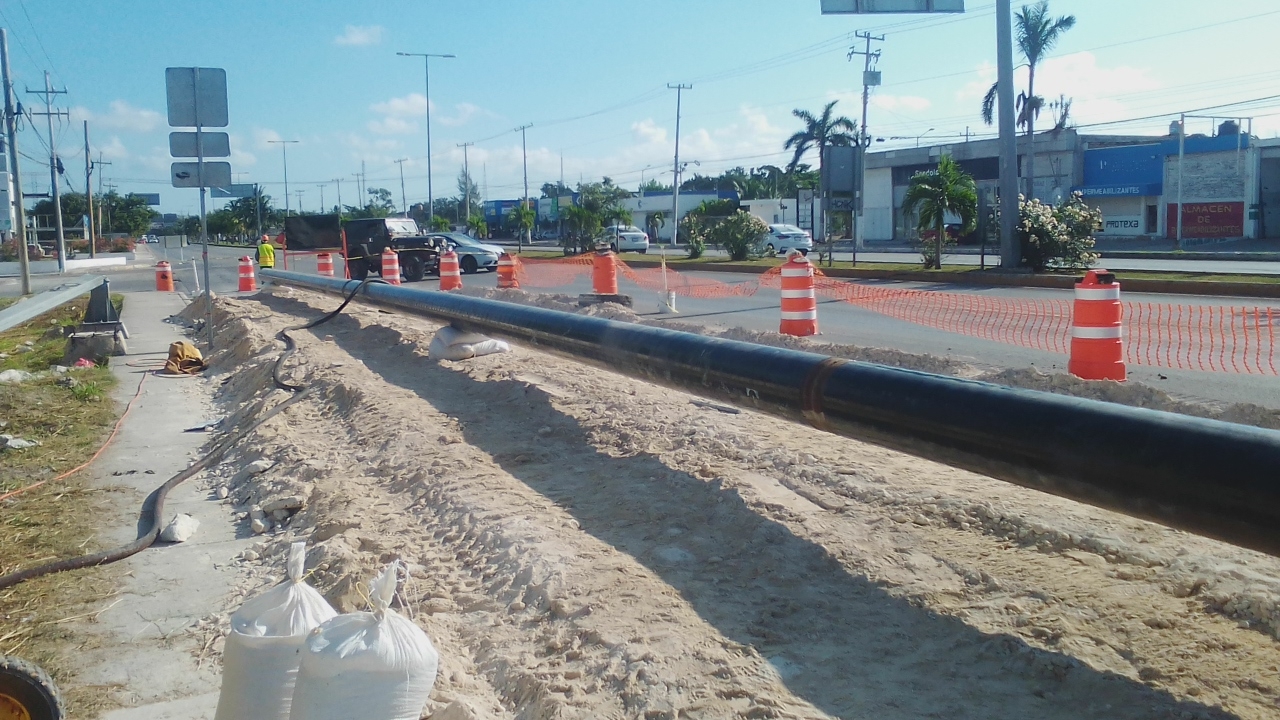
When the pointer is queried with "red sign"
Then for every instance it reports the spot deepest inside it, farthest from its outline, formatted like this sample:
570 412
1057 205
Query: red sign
1207 220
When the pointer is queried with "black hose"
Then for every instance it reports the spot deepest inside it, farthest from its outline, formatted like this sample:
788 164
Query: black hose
155 517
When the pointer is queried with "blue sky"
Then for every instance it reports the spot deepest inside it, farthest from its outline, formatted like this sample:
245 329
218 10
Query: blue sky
590 75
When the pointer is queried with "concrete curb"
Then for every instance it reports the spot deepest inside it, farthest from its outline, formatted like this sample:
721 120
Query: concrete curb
988 279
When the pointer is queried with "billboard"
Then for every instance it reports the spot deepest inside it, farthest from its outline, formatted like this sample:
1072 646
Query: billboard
153 199
853 7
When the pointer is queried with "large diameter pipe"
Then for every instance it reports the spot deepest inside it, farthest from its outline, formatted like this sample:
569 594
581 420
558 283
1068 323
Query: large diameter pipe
1204 476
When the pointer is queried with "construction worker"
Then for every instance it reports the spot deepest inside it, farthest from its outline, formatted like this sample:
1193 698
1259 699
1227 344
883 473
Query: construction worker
266 255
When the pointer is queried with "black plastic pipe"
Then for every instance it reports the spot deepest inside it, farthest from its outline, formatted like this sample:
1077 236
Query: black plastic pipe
1212 478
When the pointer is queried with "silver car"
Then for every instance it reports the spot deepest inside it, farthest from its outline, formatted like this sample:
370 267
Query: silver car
625 238
473 255
784 238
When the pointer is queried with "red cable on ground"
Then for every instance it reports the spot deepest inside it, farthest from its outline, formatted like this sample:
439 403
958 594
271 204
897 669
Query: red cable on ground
128 408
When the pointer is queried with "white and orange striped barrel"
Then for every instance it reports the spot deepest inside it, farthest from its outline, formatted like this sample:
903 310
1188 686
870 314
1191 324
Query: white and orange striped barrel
799 302
507 271
450 275
1097 329
391 266
248 283
324 264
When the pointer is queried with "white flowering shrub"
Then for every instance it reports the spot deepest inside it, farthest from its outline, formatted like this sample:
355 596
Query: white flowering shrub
1057 238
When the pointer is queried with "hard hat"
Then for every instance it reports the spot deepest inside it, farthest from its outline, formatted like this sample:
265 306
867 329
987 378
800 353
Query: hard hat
266 238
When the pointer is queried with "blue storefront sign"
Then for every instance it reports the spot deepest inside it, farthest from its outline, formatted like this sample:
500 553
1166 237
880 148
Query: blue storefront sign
1136 190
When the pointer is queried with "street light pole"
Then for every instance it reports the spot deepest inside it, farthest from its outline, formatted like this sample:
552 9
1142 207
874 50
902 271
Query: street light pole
284 154
426 69
921 135
404 204
1010 253
524 152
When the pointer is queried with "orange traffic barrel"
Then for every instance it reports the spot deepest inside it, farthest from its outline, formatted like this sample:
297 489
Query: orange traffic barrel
507 271
164 277
604 273
799 302
450 275
391 266
1097 331
248 283
324 264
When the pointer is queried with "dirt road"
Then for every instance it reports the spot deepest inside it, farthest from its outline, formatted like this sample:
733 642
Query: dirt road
583 545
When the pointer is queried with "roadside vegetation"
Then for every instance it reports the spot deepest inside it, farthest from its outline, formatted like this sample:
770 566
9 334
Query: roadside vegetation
69 415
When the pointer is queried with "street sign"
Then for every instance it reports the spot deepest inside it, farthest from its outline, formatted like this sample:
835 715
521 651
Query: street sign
840 168
185 174
856 7
153 199
241 190
214 144
196 96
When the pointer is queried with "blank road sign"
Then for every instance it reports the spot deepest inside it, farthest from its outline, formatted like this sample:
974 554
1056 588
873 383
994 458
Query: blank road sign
216 174
183 144
854 7
196 96
240 190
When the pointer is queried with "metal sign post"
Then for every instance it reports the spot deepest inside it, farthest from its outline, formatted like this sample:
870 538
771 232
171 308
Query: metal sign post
197 97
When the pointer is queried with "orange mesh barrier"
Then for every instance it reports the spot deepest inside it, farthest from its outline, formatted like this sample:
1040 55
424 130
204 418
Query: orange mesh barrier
1188 337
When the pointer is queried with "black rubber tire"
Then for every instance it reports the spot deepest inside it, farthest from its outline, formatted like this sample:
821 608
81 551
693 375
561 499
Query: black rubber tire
613 247
469 265
413 266
30 688
358 262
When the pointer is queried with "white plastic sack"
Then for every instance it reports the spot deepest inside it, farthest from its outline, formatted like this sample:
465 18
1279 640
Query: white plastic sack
260 663
450 343
374 665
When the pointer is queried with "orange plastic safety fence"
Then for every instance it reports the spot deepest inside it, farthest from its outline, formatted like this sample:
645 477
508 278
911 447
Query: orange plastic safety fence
1189 337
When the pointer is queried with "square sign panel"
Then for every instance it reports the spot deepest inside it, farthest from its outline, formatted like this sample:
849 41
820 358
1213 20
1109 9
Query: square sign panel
186 175
855 7
196 96
214 144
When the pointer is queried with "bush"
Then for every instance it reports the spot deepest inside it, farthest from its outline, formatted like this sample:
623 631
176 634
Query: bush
739 234
693 228
1057 238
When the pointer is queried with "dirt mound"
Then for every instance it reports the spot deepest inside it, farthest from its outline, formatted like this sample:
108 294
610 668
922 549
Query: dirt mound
583 545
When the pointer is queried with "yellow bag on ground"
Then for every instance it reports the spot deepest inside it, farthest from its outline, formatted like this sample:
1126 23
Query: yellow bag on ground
184 359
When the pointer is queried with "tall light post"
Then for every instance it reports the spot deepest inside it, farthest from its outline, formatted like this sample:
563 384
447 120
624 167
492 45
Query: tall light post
284 156
404 203
926 132
426 68
524 152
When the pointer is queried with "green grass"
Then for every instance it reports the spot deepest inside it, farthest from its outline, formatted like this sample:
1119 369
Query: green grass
60 519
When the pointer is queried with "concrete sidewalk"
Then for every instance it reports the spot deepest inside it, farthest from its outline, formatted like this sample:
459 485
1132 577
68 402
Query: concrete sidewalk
149 644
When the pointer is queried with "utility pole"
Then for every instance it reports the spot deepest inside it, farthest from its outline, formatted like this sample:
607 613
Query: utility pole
1010 252
321 186
299 194
257 209
339 182
88 194
11 135
404 204
675 186
525 153
284 154
101 166
55 165
869 79
466 171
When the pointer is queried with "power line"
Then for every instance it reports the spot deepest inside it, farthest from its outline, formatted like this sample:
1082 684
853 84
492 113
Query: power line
40 42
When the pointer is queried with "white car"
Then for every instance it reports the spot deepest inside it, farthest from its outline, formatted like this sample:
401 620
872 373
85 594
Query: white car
473 255
626 238
783 238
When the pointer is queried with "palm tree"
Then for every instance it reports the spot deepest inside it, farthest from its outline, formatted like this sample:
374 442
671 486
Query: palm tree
1037 34
819 132
934 194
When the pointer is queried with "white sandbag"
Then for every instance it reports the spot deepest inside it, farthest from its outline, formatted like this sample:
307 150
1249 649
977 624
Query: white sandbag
260 663
376 665
450 343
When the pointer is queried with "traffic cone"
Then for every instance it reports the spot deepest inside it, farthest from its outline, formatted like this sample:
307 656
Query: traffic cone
507 272
164 277
450 275
799 302
1097 330
604 273
248 283
391 266
324 264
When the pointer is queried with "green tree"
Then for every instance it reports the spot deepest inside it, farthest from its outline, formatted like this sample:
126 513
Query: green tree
477 226
555 190
581 227
439 224
468 200
1037 34
740 234
245 211
819 133
654 185
379 205
225 222
74 208
522 218
934 194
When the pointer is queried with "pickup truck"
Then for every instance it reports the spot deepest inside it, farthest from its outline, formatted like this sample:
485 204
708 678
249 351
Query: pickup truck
367 238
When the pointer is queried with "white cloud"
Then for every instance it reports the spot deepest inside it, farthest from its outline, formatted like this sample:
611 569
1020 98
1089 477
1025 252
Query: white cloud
392 126
648 132
121 117
263 137
113 150
360 35
463 112
240 158
411 105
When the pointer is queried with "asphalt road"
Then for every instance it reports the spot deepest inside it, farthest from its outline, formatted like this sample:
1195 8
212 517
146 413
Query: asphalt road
838 321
